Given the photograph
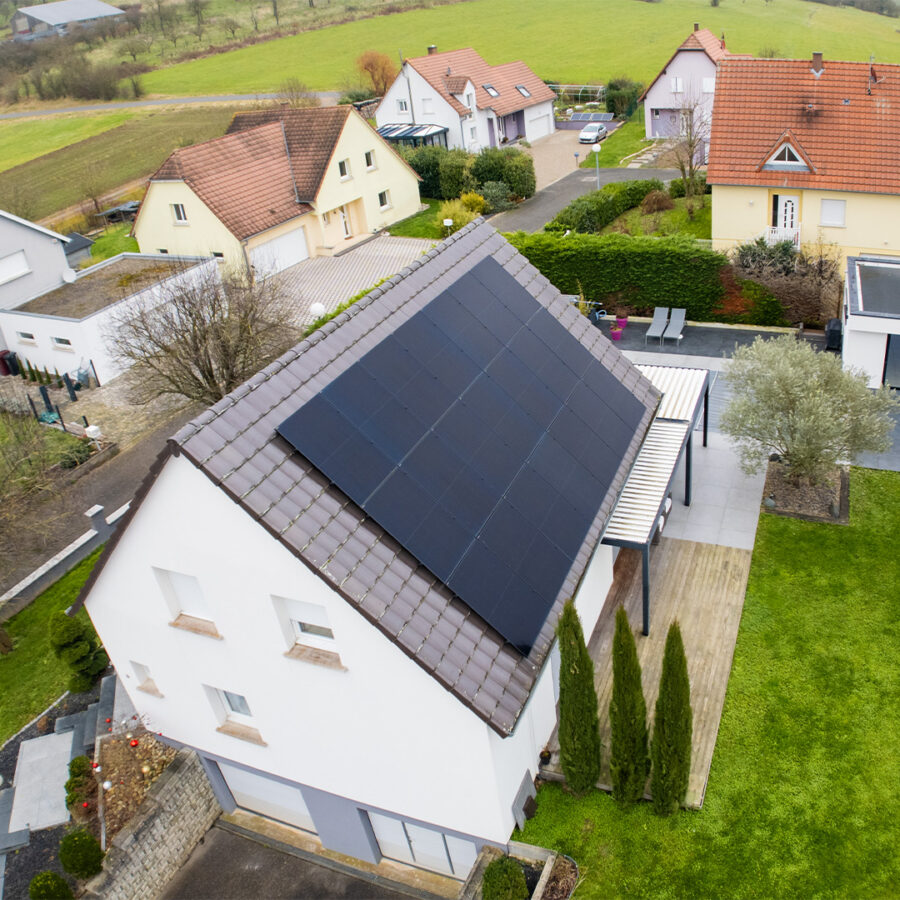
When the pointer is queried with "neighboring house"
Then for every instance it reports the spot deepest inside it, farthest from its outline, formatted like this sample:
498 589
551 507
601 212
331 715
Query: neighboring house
455 99
32 260
806 151
872 318
55 18
78 250
282 185
65 329
685 87
340 585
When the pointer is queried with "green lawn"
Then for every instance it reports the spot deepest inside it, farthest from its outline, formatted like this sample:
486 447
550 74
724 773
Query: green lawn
102 163
22 140
636 39
803 796
621 144
31 677
423 224
671 221
116 239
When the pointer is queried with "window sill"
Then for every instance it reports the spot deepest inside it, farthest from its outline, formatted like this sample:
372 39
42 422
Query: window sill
242 733
371 168
318 657
149 687
385 208
196 626
181 224
64 349
14 277
346 178
27 342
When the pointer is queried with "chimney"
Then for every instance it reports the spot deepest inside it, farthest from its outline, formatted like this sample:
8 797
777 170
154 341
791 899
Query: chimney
432 49
696 26
817 67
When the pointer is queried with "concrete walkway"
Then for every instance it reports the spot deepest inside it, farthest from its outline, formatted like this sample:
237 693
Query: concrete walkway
41 774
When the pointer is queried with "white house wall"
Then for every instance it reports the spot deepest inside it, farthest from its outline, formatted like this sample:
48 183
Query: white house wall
46 261
383 733
692 67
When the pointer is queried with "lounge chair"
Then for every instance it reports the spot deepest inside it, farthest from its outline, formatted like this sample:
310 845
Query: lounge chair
676 325
658 325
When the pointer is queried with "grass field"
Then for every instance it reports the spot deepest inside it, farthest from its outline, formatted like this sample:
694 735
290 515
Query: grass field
102 163
619 146
571 40
672 221
423 224
802 798
22 140
116 239
31 677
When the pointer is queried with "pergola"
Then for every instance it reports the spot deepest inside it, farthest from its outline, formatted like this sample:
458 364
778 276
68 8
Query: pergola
644 502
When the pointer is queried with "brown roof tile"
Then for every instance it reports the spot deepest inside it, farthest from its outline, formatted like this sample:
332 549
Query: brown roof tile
844 122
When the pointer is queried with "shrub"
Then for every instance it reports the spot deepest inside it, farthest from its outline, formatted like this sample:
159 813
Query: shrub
622 96
656 201
455 174
504 879
49 886
518 173
473 202
490 164
75 454
629 763
765 307
676 186
426 163
454 209
579 732
671 747
80 854
620 270
756 256
496 196
594 211
71 641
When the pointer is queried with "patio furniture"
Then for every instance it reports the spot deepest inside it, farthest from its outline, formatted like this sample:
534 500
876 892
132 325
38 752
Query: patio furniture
676 326
658 325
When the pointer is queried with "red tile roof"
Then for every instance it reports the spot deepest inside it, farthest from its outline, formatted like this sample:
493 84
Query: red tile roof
703 40
245 179
445 71
845 123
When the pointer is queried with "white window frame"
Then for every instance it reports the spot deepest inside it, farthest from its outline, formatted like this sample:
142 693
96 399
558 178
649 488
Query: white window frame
709 85
370 161
470 100
523 90
304 630
677 84
387 199
402 106
62 343
179 214
16 265
654 113
491 90
144 679
830 219
473 133
344 169
775 163
427 106
25 337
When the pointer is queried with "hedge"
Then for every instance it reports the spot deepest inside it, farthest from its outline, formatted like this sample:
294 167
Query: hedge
594 211
635 272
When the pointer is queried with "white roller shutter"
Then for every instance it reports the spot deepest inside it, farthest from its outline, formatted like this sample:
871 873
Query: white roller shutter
539 126
280 253
427 848
267 797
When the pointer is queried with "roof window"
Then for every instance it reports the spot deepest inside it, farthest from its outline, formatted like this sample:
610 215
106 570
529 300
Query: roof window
523 90
785 157
491 90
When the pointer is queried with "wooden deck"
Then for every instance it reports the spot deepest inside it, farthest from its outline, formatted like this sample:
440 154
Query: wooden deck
702 586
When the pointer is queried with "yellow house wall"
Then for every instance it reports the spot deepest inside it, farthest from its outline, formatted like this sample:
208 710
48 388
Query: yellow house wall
742 213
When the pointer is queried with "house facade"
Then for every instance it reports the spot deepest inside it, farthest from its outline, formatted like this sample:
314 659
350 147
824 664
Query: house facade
806 151
685 87
284 613
455 99
281 186
49 19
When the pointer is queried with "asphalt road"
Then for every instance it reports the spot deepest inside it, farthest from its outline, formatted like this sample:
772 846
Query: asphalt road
534 213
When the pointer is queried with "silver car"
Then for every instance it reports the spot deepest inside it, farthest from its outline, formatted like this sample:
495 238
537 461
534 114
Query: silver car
592 133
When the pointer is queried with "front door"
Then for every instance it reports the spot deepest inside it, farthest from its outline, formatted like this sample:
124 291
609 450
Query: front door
786 211
345 221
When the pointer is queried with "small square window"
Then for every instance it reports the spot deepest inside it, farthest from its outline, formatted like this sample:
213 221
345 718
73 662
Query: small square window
344 168
236 703
162 250
473 133
492 91
470 101
834 213
384 199
709 85
402 106
61 342
217 254
370 159
145 681
523 90
302 629
179 213
677 85
427 106
25 336
655 113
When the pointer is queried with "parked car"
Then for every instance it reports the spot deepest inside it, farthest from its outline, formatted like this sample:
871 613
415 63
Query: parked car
592 133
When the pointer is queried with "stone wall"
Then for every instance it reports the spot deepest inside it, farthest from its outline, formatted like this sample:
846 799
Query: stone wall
178 810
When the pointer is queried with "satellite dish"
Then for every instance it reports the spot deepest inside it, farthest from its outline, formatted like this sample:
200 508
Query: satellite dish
69 275
317 310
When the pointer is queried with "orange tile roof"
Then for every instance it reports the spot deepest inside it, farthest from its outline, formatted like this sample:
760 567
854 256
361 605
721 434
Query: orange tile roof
444 71
845 123
245 179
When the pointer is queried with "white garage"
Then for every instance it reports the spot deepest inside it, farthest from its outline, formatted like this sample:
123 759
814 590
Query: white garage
540 121
256 793
279 253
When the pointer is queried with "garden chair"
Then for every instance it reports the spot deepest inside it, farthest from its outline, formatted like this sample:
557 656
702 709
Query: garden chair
676 326
658 325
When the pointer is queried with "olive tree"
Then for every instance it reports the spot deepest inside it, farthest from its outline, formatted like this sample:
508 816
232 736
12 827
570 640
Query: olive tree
790 400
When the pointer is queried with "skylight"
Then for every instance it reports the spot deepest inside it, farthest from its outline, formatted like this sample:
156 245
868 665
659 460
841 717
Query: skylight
491 90
523 90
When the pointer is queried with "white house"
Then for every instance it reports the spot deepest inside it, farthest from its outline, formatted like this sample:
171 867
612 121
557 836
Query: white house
455 99
871 339
341 583
685 85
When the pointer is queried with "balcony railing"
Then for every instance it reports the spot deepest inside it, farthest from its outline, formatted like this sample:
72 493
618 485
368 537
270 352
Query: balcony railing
775 235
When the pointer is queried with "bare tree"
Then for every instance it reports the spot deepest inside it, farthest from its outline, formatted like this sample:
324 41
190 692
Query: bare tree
207 336
232 26
379 68
254 16
690 147
296 94
275 12
197 8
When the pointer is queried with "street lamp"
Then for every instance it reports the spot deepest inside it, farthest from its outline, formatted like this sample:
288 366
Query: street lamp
448 224
596 151
576 158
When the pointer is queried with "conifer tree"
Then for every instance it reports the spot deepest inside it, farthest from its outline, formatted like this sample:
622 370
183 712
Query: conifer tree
629 763
579 732
671 745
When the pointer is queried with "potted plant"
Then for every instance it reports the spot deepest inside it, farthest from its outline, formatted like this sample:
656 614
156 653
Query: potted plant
545 756
621 316
615 332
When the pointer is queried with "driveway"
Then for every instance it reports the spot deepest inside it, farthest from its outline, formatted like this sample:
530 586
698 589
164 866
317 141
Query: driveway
554 155
227 866
534 213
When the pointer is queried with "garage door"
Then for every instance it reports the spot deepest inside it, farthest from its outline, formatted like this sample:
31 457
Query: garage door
424 847
539 127
257 793
279 253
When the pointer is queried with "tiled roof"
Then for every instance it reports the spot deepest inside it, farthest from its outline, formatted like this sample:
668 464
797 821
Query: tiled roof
844 121
311 135
234 443
447 74
245 179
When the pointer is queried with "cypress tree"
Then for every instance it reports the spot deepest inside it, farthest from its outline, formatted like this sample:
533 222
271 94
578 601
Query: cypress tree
629 763
671 745
579 731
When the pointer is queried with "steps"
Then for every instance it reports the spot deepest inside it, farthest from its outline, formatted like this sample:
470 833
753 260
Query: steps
87 726
10 840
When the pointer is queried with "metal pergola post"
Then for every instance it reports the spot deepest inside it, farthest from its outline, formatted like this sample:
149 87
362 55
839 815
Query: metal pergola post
705 411
645 579
688 459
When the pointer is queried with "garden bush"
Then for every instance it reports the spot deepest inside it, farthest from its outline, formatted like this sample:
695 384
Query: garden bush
594 211
504 879
473 202
76 453
455 174
656 201
80 854
80 771
426 163
518 173
676 186
765 307
72 642
622 96
636 272
496 195
454 209
490 164
49 886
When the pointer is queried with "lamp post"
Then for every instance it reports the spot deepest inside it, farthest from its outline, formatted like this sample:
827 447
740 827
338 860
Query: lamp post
577 154
448 224
596 151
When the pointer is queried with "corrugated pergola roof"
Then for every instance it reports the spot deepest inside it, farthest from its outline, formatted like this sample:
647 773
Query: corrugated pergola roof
681 390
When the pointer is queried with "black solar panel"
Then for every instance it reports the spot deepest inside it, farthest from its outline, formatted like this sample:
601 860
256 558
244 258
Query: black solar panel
592 117
483 436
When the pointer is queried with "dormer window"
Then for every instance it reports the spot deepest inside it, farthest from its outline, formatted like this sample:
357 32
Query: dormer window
785 157
491 90
523 90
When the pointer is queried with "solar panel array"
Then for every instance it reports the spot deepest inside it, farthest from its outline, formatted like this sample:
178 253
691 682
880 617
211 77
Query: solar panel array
592 117
483 436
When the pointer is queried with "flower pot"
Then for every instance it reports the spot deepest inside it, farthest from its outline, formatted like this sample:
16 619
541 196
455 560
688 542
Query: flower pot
545 757
615 333
621 321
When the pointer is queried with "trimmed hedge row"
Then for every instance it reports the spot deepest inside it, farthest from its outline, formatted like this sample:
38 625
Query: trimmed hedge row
594 211
637 272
